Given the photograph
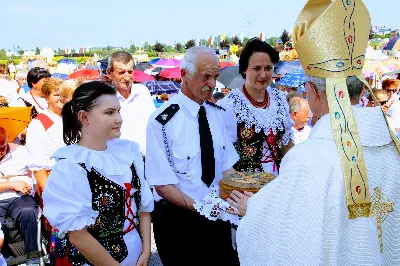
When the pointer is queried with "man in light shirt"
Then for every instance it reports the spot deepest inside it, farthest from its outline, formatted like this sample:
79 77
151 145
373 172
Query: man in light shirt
135 99
300 114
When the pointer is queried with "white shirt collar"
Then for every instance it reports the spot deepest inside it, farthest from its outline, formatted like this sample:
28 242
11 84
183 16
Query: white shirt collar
132 94
189 104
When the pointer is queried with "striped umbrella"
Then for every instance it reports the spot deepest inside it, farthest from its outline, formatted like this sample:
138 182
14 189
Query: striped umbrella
393 44
293 80
379 67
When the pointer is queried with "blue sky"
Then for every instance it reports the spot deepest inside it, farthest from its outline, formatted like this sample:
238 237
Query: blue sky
60 24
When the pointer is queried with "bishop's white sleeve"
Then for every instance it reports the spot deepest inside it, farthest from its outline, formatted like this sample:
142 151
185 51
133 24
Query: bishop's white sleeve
67 198
158 169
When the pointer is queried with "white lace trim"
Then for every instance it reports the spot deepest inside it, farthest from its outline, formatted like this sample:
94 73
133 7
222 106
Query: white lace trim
213 207
275 117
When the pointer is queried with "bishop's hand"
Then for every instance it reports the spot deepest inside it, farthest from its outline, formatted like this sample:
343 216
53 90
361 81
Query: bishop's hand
239 201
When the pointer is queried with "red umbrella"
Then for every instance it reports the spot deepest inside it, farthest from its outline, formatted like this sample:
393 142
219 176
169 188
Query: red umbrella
85 75
139 76
171 73
225 64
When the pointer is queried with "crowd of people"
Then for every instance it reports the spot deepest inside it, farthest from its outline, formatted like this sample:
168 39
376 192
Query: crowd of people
107 167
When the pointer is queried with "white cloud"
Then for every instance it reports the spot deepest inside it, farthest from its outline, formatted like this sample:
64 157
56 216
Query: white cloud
25 9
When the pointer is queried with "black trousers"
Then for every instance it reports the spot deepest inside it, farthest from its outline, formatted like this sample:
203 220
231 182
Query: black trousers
186 238
24 211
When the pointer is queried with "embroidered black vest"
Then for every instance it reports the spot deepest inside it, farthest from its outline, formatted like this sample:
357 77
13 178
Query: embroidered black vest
250 146
109 199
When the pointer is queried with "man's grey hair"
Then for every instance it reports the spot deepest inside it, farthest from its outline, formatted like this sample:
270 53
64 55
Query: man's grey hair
21 74
354 85
296 104
120 56
291 95
190 58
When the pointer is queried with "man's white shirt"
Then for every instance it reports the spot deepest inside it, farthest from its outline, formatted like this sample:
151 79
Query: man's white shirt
301 135
183 143
135 112
16 162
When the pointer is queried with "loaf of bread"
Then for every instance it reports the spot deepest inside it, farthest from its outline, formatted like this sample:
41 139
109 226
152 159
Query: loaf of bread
243 181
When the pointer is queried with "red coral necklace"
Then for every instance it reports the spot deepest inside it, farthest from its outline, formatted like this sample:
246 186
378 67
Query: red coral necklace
262 104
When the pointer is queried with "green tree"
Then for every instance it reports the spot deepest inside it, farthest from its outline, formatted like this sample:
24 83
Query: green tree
203 42
245 41
20 51
159 47
224 44
132 49
37 51
3 54
178 47
236 41
271 41
169 48
147 47
285 36
190 43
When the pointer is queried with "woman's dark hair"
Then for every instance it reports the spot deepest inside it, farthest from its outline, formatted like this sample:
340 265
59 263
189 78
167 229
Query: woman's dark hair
84 98
36 74
255 45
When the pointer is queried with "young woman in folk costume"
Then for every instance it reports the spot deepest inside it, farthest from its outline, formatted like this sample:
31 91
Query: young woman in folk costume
96 195
257 115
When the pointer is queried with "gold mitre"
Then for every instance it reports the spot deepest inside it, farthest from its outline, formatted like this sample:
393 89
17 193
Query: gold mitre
331 37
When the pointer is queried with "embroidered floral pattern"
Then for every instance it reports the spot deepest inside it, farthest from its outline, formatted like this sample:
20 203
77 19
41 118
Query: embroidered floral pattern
214 208
249 150
104 200
246 133
256 126
109 199
275 117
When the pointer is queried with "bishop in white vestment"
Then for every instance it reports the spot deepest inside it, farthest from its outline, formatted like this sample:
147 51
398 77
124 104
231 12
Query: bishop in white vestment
336 200
301 217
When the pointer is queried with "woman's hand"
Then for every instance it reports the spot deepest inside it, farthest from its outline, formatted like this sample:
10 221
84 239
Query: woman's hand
239 201
143 259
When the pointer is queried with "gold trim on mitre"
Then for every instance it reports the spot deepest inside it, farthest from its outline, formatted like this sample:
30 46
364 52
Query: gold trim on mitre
331 38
